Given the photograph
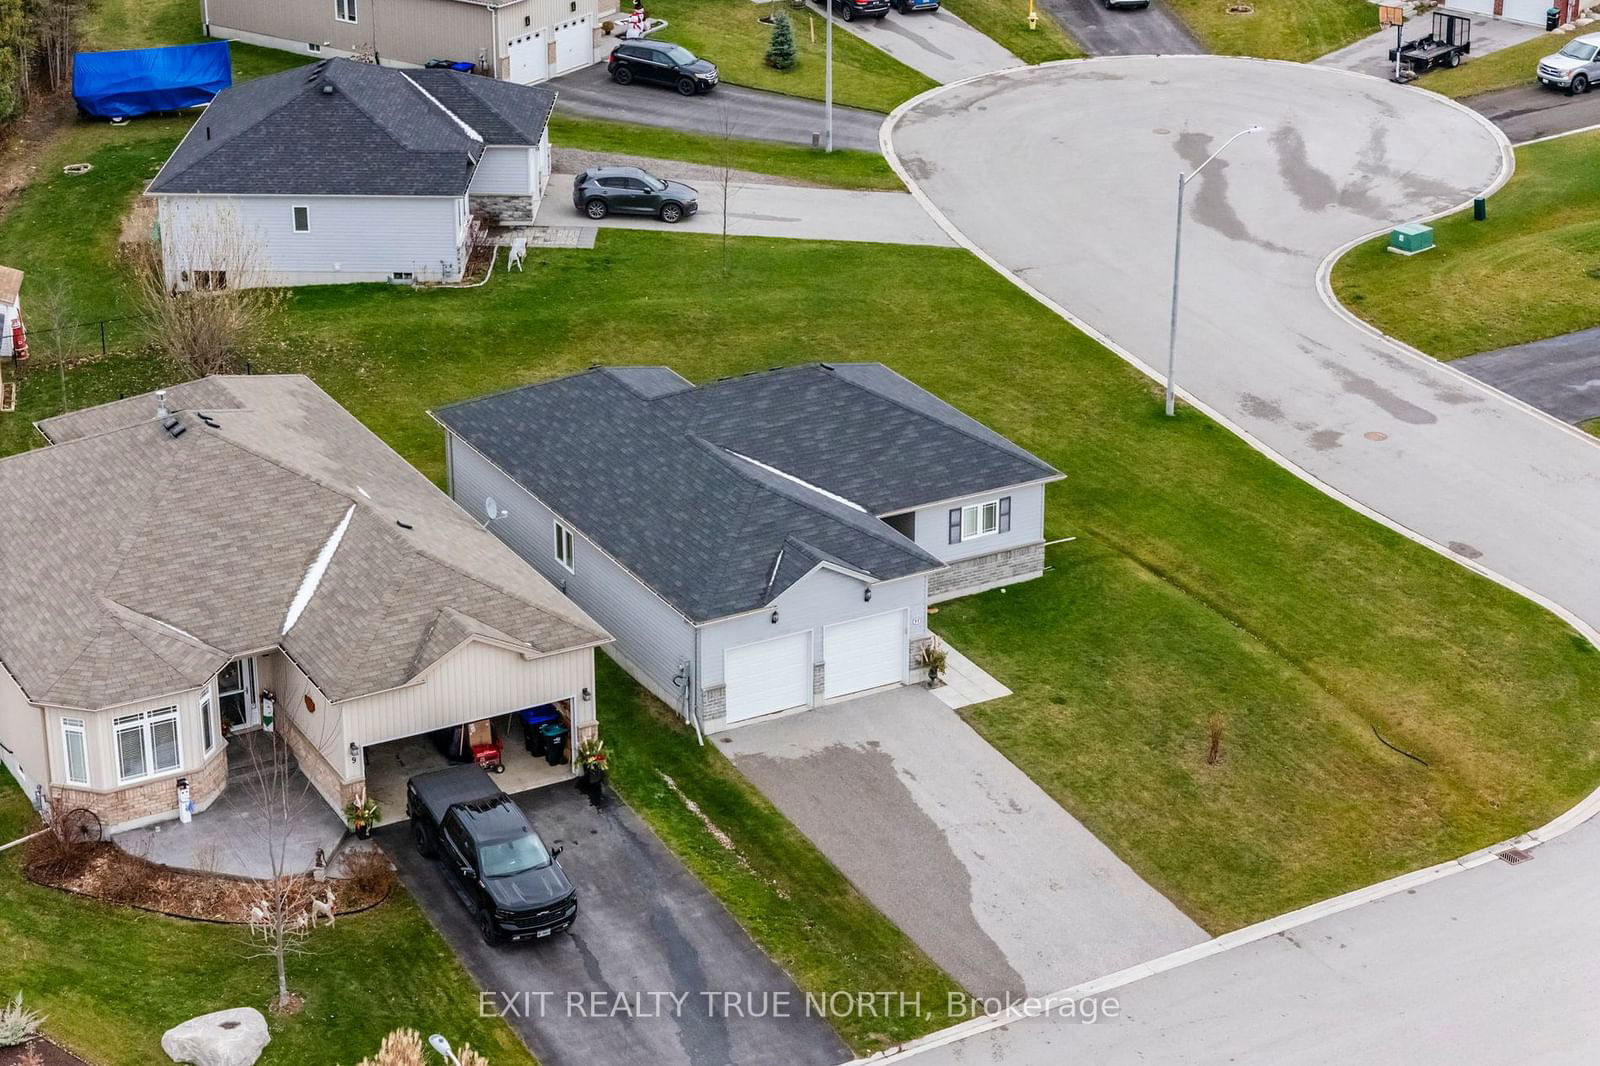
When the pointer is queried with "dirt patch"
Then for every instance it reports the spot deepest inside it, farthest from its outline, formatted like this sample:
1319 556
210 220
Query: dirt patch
22 144
139 224
45 1054
105 872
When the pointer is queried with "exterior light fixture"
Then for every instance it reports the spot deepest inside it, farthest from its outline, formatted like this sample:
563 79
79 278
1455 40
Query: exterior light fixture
586 695
774 618
355 752
866 594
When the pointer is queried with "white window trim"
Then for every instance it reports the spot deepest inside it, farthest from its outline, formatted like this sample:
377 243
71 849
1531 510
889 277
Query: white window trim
208 714
313 47
345 11
978 510
564 535
69 726
293 218
145 721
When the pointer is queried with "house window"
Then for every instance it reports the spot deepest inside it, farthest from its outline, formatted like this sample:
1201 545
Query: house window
75 745
302 219
564 546
344 10
313 47
147 744
980 519
208 729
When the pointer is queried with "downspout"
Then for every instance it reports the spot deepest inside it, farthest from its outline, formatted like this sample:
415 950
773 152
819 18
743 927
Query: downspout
694 690
205 17
494 41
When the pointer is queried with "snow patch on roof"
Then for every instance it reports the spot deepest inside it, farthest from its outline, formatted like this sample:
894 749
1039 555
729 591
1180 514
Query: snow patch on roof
315 572
835 497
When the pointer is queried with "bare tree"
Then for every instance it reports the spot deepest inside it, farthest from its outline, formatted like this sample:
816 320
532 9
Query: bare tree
53 333
204 290
724 171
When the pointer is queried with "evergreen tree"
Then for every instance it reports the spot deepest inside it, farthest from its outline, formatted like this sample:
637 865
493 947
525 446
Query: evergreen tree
781 54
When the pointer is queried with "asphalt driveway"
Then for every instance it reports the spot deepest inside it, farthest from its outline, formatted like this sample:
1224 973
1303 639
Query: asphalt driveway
647 930
936 43
1531 111
999 885
1153 30
1559 375
727 110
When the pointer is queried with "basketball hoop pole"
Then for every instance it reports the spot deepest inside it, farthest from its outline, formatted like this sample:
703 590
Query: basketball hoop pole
1399 42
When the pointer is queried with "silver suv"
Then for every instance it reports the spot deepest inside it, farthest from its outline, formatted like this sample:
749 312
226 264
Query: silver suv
1575 67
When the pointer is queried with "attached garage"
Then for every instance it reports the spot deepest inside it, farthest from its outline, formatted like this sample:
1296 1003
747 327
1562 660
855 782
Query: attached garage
528 58
864 654
768 677
574 44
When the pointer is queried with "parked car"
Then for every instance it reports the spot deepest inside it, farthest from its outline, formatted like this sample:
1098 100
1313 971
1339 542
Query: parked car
1576 67
850 10
631 191
502 870
1109 4
662 63
906 7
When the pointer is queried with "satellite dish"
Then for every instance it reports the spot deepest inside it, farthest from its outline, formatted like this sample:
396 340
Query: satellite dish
491 507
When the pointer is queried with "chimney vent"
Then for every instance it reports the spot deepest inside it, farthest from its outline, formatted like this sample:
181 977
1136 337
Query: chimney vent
161 403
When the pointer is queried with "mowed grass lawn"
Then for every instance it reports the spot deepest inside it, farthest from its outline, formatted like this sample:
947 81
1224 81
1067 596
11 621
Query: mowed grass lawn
1006 21
1531 270
727 33
112 980
1279 29
1503 69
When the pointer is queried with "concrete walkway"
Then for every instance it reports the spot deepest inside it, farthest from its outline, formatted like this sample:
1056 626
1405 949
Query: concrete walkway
1370 55
773 211
1559 375
959 848
966 683
1153 30
936 43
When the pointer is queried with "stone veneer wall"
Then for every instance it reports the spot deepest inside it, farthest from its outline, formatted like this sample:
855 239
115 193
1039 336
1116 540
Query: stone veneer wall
918 671
149 799
504 210
986 572
318 771
713 706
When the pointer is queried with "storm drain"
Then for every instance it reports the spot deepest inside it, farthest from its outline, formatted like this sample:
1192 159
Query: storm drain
1512 856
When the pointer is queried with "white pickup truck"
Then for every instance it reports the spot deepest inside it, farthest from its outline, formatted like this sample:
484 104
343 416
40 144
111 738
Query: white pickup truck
1575 68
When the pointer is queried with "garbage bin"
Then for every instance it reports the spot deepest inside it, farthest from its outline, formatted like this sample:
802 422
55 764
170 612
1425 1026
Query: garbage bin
532 719
555 742
1552 18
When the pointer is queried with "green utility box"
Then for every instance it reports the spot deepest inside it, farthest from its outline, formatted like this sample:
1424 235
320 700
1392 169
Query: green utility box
1411 238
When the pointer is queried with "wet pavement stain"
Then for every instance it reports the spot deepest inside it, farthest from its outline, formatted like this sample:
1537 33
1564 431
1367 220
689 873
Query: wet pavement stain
1394 405
1209 201
1465 550
1260 407
1325 440
1316 189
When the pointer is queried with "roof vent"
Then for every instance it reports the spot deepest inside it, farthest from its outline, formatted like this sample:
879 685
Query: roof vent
403 525
208 420
327 88
161 403
174 428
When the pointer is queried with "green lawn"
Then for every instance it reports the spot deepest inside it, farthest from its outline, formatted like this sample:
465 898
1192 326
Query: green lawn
795 904
1531 270
113 980
16 814
1591 426
110 24
1279 29
727 33
1497 70
1006 21
841 168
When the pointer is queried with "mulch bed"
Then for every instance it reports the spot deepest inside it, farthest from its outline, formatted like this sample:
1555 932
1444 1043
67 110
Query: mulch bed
49 1054
105 872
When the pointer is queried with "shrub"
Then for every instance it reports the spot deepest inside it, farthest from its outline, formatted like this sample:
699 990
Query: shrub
781 54
18 1025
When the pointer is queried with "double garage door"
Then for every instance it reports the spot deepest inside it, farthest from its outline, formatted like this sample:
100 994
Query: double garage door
1528 11
542 54
776 675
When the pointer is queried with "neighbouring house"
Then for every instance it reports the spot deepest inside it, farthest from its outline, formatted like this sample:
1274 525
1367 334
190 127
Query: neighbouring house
1532 12
241 551
522 41
342 172
760 543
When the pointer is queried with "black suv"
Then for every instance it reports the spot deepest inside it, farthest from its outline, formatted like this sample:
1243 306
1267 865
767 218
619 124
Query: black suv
661 63
850 10
630 191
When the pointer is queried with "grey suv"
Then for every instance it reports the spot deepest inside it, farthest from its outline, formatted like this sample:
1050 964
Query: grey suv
630 191
1576 67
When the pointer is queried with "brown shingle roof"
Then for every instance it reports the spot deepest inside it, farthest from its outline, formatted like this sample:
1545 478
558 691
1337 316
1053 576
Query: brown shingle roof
136 564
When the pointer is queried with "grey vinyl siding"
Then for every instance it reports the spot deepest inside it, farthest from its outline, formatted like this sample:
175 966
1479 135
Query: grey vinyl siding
505 171
23 749
932 525
822 598
651 639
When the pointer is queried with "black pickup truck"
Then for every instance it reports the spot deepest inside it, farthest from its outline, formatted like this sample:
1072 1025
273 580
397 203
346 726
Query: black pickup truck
491 856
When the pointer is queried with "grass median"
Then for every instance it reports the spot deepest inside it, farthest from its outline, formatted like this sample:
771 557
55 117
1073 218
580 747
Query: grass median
1530 271
1006 22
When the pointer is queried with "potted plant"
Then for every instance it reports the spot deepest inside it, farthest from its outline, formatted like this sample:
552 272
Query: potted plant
363 813
592 757
933 659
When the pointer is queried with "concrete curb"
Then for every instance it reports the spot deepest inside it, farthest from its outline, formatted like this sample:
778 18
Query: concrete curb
1562 823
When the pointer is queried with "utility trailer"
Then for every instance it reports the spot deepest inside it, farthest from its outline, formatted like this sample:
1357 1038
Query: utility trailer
1444 46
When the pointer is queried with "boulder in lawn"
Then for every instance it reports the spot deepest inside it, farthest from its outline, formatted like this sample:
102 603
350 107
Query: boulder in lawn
223 1038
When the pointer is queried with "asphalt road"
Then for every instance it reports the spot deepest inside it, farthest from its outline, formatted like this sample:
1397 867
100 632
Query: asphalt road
1529 112
1495 966
1560 375
1153 30
1004 889
728 109
646 929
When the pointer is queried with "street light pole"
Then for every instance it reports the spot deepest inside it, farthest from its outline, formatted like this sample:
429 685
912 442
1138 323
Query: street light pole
1177 261
827 88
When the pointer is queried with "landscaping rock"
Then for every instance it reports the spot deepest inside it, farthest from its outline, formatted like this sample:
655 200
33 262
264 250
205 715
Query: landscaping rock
223 1038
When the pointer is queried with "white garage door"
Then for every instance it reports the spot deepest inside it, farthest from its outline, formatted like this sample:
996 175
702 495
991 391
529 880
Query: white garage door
574 45
767 677
1529 11
867 653
529 58
1466 7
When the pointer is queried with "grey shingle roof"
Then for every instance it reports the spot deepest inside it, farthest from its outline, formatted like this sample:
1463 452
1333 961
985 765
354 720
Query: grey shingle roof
660 474
137 564
379 131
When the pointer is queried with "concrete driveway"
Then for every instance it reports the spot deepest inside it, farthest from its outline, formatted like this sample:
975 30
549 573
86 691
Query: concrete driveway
727 110
1559 375
1370 55
646 930
1261 343
1004 889
1531 111
937 43
772 211
1154 30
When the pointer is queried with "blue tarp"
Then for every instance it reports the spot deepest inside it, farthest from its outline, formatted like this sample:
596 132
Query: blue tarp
143 80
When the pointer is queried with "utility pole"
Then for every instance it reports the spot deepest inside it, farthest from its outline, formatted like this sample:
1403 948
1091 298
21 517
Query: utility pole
827 87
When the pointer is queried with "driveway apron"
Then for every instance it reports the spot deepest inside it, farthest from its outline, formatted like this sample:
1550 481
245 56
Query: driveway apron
935 43
1153 30
977 864
646 930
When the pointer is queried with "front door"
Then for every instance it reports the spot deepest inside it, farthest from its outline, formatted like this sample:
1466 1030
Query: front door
236 695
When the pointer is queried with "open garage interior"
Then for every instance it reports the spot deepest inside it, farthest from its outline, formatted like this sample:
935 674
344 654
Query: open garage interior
517 744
